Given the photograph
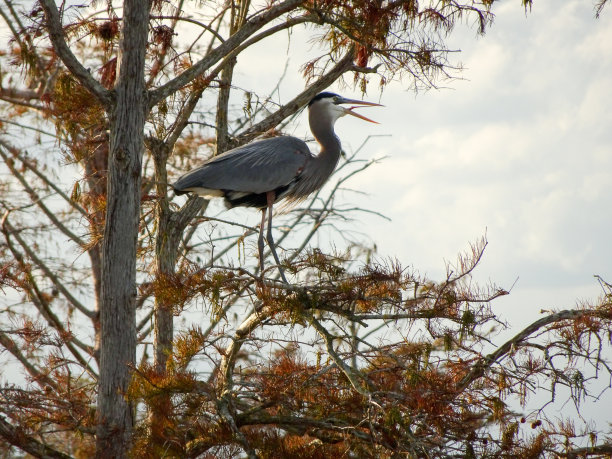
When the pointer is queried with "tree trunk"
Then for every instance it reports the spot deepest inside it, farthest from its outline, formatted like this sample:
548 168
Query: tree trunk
224 143
170 227
118 291
166 246
96 165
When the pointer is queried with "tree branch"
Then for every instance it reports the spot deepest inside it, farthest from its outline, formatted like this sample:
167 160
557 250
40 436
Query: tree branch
18 438
23 39
352 375
599 450
39 202
300 100
40 378
226 369
599 6
56 34
43 305
486 362
221 51
227 416
182 119
43 177
48 272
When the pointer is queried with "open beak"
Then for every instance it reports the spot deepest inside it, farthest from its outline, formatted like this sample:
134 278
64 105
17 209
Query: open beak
358 104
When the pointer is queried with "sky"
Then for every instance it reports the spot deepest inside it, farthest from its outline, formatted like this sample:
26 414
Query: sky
519 149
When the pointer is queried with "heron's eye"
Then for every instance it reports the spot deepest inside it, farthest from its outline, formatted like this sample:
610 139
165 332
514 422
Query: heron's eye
336 99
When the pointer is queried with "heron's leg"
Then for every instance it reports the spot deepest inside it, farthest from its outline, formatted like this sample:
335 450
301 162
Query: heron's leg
260 241
270 197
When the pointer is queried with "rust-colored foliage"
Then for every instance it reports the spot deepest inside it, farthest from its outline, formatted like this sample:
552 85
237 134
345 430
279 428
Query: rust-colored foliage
73 110
357 357
163 35
176 290
108 30
273 444
108 73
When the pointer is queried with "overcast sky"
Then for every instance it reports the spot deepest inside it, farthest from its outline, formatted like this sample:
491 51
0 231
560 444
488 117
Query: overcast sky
522 149
519 149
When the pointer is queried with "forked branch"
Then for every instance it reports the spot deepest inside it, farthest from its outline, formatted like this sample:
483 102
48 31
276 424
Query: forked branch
58 39
16 437
486 362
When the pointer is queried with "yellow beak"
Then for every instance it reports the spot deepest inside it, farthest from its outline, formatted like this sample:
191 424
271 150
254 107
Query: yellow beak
358 104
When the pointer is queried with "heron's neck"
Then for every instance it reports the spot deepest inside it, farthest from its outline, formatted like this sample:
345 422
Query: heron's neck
318 170
328 141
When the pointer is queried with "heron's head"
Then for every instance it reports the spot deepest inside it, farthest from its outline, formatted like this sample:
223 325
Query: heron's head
328 106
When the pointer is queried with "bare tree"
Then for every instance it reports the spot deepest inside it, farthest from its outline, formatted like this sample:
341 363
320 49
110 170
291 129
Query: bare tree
102 105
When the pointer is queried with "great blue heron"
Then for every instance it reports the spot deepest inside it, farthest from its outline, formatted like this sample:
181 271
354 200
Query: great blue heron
263 172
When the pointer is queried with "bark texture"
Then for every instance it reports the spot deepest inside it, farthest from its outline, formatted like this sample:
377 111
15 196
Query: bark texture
118 292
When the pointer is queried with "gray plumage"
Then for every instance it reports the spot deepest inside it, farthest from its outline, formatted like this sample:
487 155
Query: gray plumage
244 175
266 171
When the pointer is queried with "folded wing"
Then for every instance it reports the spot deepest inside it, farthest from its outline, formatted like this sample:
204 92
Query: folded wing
258 167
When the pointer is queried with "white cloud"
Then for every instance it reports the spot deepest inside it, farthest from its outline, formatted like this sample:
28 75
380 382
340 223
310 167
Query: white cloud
521 148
